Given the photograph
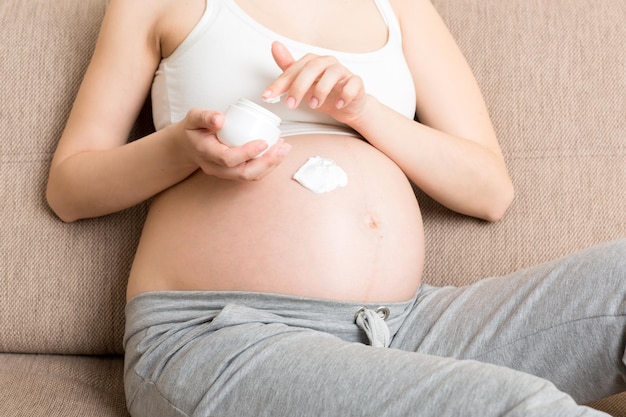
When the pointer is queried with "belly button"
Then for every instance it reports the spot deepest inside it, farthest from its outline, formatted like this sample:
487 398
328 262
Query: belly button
371 221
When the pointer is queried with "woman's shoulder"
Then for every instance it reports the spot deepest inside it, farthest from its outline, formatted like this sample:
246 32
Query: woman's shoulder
407 9
176 19
164 22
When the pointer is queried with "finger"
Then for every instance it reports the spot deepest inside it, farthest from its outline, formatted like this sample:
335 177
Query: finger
230 157
351 90
307 78
282 83
282 56
204 119
257 168
333 79
284 60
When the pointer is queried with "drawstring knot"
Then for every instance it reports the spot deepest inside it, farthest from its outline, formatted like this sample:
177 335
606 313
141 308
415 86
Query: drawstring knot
372 322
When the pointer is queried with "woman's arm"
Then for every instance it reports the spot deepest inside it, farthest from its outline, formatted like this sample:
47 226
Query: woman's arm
452 154
462 174
94 172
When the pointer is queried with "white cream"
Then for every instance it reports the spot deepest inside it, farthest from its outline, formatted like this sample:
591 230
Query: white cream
321 175
274 100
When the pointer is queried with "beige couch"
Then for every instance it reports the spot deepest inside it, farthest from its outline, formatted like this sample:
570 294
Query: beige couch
554 76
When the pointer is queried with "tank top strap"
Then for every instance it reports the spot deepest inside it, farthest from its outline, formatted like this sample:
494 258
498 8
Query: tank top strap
391 20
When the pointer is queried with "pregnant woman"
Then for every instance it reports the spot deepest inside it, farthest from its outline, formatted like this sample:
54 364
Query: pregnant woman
255 294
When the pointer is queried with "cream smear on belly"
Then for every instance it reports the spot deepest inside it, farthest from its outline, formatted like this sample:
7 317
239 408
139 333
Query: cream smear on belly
321 175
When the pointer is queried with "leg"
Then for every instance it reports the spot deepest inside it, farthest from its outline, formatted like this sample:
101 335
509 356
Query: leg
240 364
564 321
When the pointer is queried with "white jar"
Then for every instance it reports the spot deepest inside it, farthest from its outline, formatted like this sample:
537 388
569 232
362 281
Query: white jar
246 121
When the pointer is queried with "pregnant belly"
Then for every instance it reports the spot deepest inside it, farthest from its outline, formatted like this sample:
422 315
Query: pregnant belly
361 242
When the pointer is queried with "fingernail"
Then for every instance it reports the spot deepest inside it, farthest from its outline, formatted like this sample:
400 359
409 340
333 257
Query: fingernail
291 102
340 103
314 103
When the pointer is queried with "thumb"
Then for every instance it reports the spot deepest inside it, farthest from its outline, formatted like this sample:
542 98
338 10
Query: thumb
281 55
204 119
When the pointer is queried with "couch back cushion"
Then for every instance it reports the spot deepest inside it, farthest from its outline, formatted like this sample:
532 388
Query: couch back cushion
554 77
61 285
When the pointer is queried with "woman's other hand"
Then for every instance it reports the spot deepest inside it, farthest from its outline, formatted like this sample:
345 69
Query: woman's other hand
321 82
203 148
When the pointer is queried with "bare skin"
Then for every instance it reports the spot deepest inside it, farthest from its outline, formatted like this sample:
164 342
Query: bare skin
223 220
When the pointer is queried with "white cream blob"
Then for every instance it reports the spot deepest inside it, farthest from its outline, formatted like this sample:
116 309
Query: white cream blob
321 175
274 100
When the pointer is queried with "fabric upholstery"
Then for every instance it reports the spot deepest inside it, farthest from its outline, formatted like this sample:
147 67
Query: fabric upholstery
61 385
554 78
61 286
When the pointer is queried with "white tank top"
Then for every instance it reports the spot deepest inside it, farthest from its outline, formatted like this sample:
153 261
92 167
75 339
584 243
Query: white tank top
227 56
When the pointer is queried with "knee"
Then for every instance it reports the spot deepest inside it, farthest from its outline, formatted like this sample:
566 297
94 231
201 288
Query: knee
505 392
603 267
609 256
543 399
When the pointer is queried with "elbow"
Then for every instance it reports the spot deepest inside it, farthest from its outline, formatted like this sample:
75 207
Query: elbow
58 203
58 209
500 204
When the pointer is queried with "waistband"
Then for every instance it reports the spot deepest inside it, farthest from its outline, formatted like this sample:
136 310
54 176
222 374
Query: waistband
180 308
288 128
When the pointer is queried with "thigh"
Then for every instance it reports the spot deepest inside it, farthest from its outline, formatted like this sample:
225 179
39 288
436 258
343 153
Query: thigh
564 320
270 369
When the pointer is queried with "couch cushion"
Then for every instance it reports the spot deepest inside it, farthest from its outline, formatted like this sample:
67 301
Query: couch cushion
61 386
554 77
61 286
614 405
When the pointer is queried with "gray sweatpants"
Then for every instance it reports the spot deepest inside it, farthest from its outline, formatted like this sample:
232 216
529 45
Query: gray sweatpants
534 343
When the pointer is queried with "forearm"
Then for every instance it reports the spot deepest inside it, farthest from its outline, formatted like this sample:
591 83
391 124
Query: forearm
459 173
99 182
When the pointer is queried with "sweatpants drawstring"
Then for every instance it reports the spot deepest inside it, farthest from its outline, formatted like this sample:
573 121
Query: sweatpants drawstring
372 322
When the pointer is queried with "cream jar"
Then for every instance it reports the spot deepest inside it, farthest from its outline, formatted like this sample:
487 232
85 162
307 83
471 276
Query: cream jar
246 121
